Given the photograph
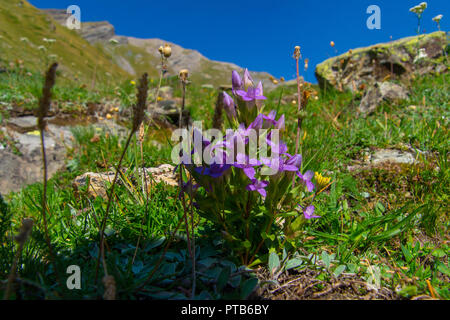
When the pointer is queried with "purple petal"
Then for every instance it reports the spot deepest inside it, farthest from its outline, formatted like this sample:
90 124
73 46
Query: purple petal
236 80
249 172
308 175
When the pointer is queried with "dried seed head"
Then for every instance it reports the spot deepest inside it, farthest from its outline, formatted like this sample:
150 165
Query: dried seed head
139 107
297 54
282 79
161 50
25 230
141 132
184 74
110 287
45 100
167 50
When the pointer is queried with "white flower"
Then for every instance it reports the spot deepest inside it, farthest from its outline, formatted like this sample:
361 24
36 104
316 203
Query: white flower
419 8
24 39
113 41
42 48
422 54
49 40
438 18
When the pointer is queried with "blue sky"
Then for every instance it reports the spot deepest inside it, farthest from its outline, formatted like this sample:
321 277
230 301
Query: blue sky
260 35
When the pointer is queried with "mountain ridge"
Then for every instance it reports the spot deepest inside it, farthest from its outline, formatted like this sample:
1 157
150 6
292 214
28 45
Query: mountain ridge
129 56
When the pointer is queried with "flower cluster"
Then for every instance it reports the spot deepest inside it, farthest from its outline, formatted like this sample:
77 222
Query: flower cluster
250 173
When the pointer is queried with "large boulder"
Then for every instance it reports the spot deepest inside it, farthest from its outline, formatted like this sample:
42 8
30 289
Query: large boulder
399 59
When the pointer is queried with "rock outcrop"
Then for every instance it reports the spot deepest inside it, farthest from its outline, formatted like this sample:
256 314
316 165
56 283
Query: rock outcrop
379 92
399 59
98 183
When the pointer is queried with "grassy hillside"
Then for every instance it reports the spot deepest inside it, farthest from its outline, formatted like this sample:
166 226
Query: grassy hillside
385 225
24 34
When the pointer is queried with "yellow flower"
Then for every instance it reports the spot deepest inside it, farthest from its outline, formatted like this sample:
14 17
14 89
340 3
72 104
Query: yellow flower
322 181
133 82
332 43
160 99
34 133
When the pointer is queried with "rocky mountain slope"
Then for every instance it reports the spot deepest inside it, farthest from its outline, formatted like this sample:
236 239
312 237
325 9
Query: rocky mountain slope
135 55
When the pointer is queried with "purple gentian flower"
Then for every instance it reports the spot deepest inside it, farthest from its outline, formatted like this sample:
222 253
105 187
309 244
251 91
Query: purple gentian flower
259 186
295 160
247 165
280 148
269 120
279 164
236 81
309 212
248 81
214 170
229 106
306 179
252 93
198 135
280 123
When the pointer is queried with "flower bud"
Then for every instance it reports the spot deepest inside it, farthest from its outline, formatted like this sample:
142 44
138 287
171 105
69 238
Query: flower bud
248 81
236 81
229 105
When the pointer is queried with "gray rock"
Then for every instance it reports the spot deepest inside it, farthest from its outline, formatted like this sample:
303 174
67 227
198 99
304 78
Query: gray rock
16 171
381 157
385 91
100 182
399 59
19 170
392 155
166 92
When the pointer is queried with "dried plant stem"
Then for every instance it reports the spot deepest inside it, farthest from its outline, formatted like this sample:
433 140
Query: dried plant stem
138 116
44 106
299 102
108 206
191 244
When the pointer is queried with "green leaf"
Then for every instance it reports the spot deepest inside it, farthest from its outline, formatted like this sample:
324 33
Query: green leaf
247 287
406 253
326 259
274 262
223 277
438 253
443 268
137 267
293 263
337 272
